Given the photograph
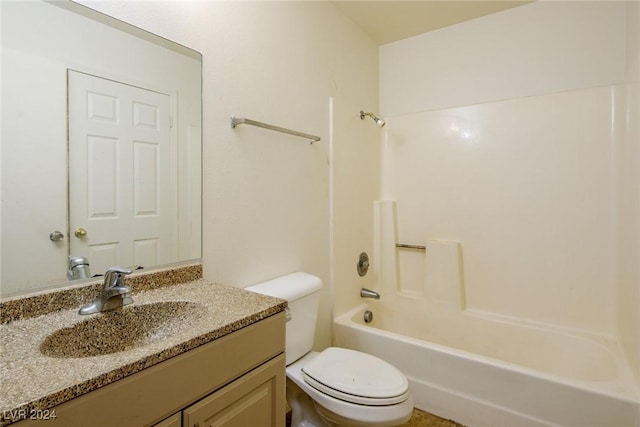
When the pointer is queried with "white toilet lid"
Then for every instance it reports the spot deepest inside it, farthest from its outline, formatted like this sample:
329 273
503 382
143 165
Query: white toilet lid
356 377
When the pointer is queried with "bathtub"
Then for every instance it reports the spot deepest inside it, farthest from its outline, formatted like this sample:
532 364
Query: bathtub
481 370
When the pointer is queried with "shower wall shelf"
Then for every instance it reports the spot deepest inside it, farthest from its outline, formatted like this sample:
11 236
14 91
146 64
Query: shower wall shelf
242 121
405 246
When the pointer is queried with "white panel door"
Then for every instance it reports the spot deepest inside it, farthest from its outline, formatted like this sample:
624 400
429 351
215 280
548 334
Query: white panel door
120 170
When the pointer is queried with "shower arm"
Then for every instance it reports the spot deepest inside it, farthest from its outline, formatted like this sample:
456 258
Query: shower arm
378 121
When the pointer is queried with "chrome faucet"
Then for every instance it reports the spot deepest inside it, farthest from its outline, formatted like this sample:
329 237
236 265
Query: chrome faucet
114 292
78 268
367 293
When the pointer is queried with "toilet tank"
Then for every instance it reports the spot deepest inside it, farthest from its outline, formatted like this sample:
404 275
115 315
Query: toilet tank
302 292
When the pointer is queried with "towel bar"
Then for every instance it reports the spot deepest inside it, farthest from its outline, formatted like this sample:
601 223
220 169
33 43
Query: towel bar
240 121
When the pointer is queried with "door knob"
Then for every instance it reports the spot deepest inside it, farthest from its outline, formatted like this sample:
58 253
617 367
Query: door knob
56 236
80 233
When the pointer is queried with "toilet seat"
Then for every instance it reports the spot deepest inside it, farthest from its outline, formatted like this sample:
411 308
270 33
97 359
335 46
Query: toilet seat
342 412
356 377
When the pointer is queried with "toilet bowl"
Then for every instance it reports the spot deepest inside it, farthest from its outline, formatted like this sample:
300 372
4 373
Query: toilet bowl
353 399
336 386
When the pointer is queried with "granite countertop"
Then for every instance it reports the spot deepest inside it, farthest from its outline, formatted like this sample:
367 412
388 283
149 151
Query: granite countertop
32 381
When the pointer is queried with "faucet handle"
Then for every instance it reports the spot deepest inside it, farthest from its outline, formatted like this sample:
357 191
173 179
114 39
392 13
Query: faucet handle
122 270
114 277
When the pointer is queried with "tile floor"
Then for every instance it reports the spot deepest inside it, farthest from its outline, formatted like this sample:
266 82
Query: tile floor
425 419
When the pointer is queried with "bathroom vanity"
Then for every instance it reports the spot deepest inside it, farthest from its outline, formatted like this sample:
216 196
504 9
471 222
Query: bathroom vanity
238 378
225 365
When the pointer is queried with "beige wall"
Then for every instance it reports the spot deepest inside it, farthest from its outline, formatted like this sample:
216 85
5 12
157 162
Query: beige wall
266 195
355 184
505 55
629 295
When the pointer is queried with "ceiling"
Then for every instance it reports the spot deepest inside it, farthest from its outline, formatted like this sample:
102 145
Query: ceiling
389 21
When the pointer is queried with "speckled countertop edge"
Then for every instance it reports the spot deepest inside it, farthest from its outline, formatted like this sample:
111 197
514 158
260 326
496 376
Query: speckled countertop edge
32 381
44 302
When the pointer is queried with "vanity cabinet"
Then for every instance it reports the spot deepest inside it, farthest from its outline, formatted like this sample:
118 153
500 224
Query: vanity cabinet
236 380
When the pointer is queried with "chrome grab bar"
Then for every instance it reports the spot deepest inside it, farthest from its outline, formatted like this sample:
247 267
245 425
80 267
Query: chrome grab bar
405 246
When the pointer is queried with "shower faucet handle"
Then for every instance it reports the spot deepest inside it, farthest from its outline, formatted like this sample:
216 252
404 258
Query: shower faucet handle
363 264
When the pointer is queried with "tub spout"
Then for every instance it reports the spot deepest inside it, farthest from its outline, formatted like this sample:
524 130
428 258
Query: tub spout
367 293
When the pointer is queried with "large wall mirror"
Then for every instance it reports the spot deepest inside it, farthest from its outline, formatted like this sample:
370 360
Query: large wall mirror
101 146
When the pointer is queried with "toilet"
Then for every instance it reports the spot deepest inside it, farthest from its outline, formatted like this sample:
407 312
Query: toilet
337 386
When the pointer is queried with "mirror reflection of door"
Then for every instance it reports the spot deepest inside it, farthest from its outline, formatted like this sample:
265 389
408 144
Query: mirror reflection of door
119 160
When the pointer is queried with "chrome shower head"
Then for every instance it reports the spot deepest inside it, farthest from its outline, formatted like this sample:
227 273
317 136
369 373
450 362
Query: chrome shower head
378 120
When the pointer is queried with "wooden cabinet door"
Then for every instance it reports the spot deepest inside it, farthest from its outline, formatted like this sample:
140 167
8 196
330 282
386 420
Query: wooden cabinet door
256 399
173 421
